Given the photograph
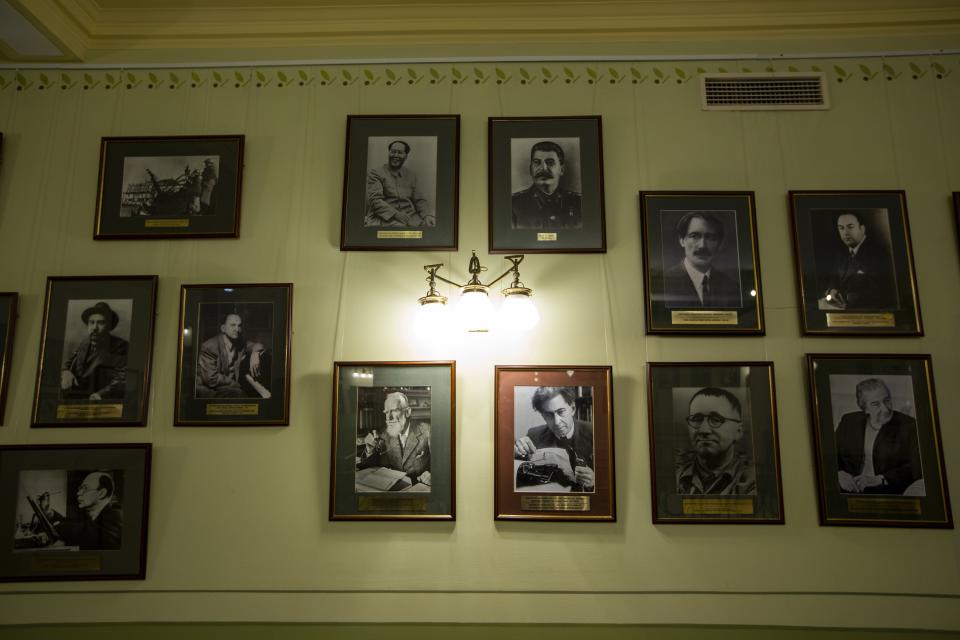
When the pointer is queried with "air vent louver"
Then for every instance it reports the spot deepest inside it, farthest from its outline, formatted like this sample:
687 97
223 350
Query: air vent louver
766 91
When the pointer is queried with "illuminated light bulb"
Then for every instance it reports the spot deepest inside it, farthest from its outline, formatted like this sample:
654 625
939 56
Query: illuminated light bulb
474 310
753 293
432 319
518 312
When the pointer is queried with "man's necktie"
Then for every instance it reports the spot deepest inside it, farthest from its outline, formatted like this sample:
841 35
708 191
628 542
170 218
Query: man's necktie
705 288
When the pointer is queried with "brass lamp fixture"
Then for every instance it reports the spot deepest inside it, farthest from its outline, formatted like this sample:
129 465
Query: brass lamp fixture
474 310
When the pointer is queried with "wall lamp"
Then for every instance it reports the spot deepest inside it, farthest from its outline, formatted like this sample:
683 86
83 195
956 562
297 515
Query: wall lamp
474 310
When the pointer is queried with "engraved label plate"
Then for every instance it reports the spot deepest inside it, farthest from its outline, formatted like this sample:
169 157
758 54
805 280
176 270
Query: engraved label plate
223 409
906 506
555 503
89 411
704 317
861 320
43 562
547 237
718 507
392 504
168 223
400 235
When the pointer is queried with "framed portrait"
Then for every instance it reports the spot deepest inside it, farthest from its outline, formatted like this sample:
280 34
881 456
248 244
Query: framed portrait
714 448
74 512
546 185
956 212
400 183
553 444
877 438
95 351
169 187
8 321
701 266
394 431
855 263
233 360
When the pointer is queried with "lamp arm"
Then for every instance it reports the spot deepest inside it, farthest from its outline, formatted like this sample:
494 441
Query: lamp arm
500 277
442 279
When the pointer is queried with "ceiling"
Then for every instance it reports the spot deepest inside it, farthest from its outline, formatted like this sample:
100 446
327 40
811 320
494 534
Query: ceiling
155 31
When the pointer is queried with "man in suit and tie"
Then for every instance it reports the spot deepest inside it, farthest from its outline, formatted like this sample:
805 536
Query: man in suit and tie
860 275
97 369
404 447
694 282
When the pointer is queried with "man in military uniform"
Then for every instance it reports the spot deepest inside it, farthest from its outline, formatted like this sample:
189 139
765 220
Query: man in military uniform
545 204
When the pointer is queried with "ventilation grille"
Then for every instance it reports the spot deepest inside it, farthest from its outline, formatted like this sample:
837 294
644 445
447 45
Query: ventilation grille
769 91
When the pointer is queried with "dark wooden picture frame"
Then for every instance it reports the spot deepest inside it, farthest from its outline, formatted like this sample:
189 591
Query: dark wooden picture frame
902 483
233 355
393 455
701 263
100 380
8 323
854 261
956 214
541 472
401 183
545 181
153 187
723 473
74 511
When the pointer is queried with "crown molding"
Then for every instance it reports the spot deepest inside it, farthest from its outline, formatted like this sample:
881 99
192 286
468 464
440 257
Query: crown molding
84 26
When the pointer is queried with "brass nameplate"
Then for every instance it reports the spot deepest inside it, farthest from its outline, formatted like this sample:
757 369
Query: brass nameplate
704 317
905 506
89 411
861 320
555 503
718 507
392 504
44 562
222 409
546 237
400 235
168 223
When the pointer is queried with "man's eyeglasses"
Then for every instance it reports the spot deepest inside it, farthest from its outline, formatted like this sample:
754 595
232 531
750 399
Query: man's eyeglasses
715 420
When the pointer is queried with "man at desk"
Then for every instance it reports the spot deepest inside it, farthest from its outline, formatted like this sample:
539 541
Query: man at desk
561 430
404 447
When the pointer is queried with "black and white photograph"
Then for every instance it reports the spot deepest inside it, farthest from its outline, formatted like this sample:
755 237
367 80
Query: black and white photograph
553 443
96 340
174 186
546 185
401 183
74 512
701 271
8 322
95 352
877 437
553 431
875 433
714 443
393 439
394 436
169 187
234 354
855 263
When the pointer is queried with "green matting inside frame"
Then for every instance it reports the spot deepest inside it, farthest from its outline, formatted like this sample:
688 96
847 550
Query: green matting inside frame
236 631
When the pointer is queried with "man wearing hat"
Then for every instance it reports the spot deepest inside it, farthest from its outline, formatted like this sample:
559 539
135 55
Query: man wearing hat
97 370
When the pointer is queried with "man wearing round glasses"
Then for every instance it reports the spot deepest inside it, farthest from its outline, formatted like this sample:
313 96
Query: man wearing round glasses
713 464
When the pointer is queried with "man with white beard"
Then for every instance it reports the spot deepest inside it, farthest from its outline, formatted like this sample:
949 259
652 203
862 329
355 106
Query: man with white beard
405 446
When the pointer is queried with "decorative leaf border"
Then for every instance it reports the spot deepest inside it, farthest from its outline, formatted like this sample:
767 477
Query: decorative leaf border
423 75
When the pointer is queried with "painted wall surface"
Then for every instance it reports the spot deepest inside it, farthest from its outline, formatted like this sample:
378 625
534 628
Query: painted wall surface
238 519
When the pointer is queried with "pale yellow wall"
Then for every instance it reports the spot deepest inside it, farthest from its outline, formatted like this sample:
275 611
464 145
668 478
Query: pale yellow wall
238 519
